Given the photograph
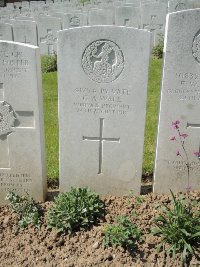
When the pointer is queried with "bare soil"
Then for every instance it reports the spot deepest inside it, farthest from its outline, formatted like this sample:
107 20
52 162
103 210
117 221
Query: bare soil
44 247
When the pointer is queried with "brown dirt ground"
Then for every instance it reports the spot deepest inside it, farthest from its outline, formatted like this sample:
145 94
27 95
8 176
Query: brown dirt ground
45 247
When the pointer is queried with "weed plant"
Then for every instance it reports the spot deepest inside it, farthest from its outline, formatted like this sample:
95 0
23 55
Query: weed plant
74 210
26 208
178 227
49 63
123 233
157 50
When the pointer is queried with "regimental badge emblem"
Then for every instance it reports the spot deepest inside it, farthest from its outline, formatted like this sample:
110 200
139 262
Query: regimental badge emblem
196 47
103 61
7 118
180 6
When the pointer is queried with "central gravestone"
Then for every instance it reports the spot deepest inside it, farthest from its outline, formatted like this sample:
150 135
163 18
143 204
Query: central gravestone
102 106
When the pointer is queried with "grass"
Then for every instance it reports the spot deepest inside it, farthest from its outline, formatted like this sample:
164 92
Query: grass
50 96
51 121
155 72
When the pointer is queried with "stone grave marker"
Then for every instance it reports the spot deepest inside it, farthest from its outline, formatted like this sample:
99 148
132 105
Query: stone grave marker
101 17
178 5
102 106
25 4
180 98
47 34
22 150
25 18
6 32
195 3
136 3
72 20
25 31
9 6
153 18
127 16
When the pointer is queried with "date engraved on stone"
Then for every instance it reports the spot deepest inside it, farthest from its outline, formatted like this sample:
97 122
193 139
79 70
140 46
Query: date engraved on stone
196 47
103 61
7 118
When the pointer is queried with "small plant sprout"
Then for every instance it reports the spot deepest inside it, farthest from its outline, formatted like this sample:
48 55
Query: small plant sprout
26 208
123 233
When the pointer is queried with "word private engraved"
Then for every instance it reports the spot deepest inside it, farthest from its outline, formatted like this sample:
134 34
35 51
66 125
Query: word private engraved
7 118
196 47
103 61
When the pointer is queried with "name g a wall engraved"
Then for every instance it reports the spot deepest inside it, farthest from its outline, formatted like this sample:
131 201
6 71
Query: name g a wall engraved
103 61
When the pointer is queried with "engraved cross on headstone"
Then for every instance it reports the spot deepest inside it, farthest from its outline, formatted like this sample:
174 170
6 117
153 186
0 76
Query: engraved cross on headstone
101 140
49 40
153 25
126 22
25 119
26 41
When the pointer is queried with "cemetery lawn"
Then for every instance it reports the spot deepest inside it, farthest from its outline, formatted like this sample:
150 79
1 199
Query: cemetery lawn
51 122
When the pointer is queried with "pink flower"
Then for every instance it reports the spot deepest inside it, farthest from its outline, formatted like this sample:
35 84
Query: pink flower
178 153
184 135
197 154
175 124
173 138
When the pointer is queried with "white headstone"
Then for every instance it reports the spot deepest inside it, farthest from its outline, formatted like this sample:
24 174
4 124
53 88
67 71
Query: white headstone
101 17
6 32
127 16
25 31
153 18
22 150
47 34
180 102
72 20
178 5
102 106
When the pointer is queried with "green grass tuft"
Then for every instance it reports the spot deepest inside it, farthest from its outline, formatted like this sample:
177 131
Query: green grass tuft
155 72
50 95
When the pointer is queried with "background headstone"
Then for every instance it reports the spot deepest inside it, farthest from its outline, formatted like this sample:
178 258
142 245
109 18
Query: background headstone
47 34
72 20
127 16
102 105
25 32
101 17
6 32
178 5
153 18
